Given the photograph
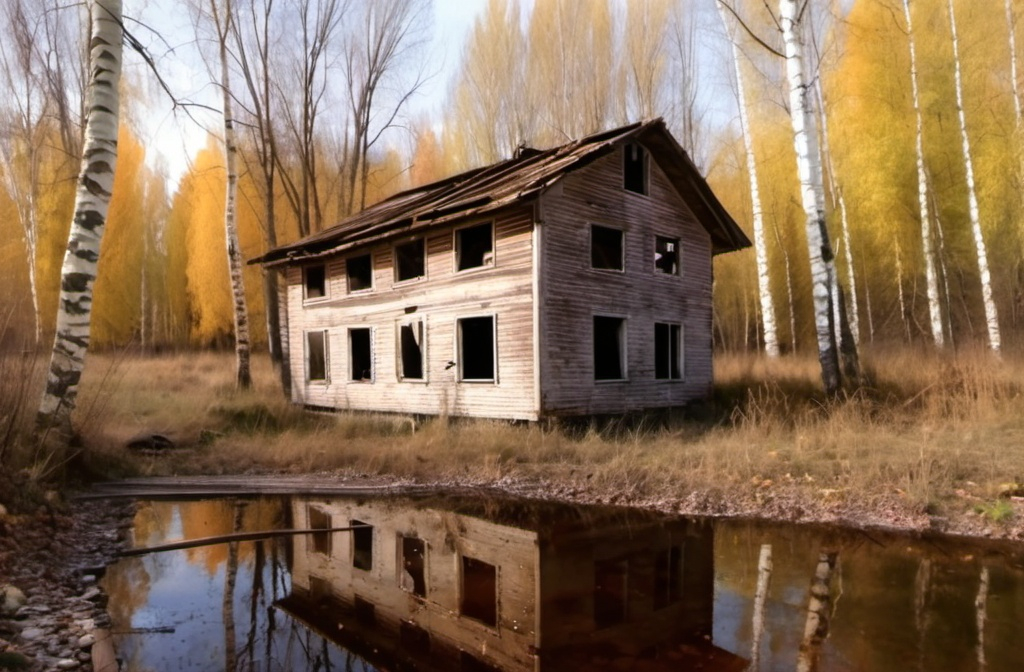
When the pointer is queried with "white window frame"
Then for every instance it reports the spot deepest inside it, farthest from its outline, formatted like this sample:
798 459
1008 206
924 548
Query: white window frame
404 322
489 262
325 334
494 344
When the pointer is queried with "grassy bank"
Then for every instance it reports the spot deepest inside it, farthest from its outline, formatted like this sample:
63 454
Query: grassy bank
930 436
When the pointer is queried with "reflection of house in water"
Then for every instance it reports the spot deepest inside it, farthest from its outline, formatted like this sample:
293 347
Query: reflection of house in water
524 586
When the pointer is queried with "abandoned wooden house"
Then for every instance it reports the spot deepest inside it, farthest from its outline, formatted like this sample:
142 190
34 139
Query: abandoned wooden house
569 281
521 587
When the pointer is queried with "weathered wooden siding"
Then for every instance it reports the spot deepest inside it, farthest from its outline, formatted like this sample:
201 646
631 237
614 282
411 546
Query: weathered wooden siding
572 292
448 538
443 296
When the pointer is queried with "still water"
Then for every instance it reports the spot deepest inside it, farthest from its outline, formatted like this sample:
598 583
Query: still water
459 583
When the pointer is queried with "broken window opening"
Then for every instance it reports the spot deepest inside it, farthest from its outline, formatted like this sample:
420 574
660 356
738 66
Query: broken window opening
474 246
610 582
360 355
634 169
414 553
362 545
606 248
609 348
479 591
360 273
319 542
409 260
314 281
668 576
411 351
476 349
666 255
413 638
667 350
316 356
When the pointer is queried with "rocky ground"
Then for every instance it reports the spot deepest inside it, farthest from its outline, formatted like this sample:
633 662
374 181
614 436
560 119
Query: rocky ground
52 612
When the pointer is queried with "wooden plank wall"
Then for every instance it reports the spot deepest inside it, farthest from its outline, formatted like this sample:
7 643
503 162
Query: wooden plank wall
572 292
448 537
503 290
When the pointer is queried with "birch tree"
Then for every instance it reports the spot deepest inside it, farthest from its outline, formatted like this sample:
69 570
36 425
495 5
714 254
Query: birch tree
931 277
771 343
92 198
812 191
991 315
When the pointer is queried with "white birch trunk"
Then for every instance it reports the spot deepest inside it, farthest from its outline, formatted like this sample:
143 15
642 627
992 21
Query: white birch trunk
928 250
980 615
764 579
819 610
1013 61
812 191
899 285
991 316
768 324
241 313
92 199
848 252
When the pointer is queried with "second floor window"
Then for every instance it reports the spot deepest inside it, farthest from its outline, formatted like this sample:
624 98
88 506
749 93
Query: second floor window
360 272
410 260
606 248
314 282
666 255
474 246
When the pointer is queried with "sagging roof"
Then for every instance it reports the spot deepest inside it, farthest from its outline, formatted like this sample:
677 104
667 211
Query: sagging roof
516 180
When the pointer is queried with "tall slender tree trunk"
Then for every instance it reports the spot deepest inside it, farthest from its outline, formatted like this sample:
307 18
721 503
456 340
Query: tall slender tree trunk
928 250
764 579
848 254
92 199
771 339
819 613
991 315
241 312
981 615
812 192
1011 23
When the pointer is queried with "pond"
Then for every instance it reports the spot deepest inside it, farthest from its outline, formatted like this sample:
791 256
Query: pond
434 582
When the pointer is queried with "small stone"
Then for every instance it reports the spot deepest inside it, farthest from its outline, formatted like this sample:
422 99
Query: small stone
32 634
85 641
86 624
11 599
91 593
67 664
84 656
88 579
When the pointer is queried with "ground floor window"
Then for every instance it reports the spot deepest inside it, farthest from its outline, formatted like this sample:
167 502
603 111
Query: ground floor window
362 545
609 348
414 565
479 595
476 349
668 350
360 354
316 356
411 350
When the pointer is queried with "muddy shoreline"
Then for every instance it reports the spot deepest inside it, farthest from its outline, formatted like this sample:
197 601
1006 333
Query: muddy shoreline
57 554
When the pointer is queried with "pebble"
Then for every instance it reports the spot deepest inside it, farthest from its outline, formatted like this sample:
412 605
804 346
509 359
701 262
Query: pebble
68 664
32 634
85 641
92 593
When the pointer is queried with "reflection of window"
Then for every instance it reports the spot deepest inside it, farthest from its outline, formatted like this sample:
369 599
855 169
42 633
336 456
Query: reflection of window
609 348
320 520
470 663
666 255
606 248
411 349
413 638
360 272
474 246
314 281
362 545
479 591
476 349
360 353
316 356
365 611
610 593
634 169
668 341
668 576
414 553
409 260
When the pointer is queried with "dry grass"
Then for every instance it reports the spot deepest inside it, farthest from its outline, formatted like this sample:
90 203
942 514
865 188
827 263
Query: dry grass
927 435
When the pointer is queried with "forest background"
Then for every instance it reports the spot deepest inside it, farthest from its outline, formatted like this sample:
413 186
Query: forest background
324 95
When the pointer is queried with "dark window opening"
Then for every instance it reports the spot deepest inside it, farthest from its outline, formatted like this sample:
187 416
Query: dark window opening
668 576
666 255
474 246
479 591
609 348
316 356
411 343
414 552
320 520
365 611
634 169
476 348
319 590
667 338
314 280
360 354
413 638
610 578
605 248
362 545
360 273
470 663
409 260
